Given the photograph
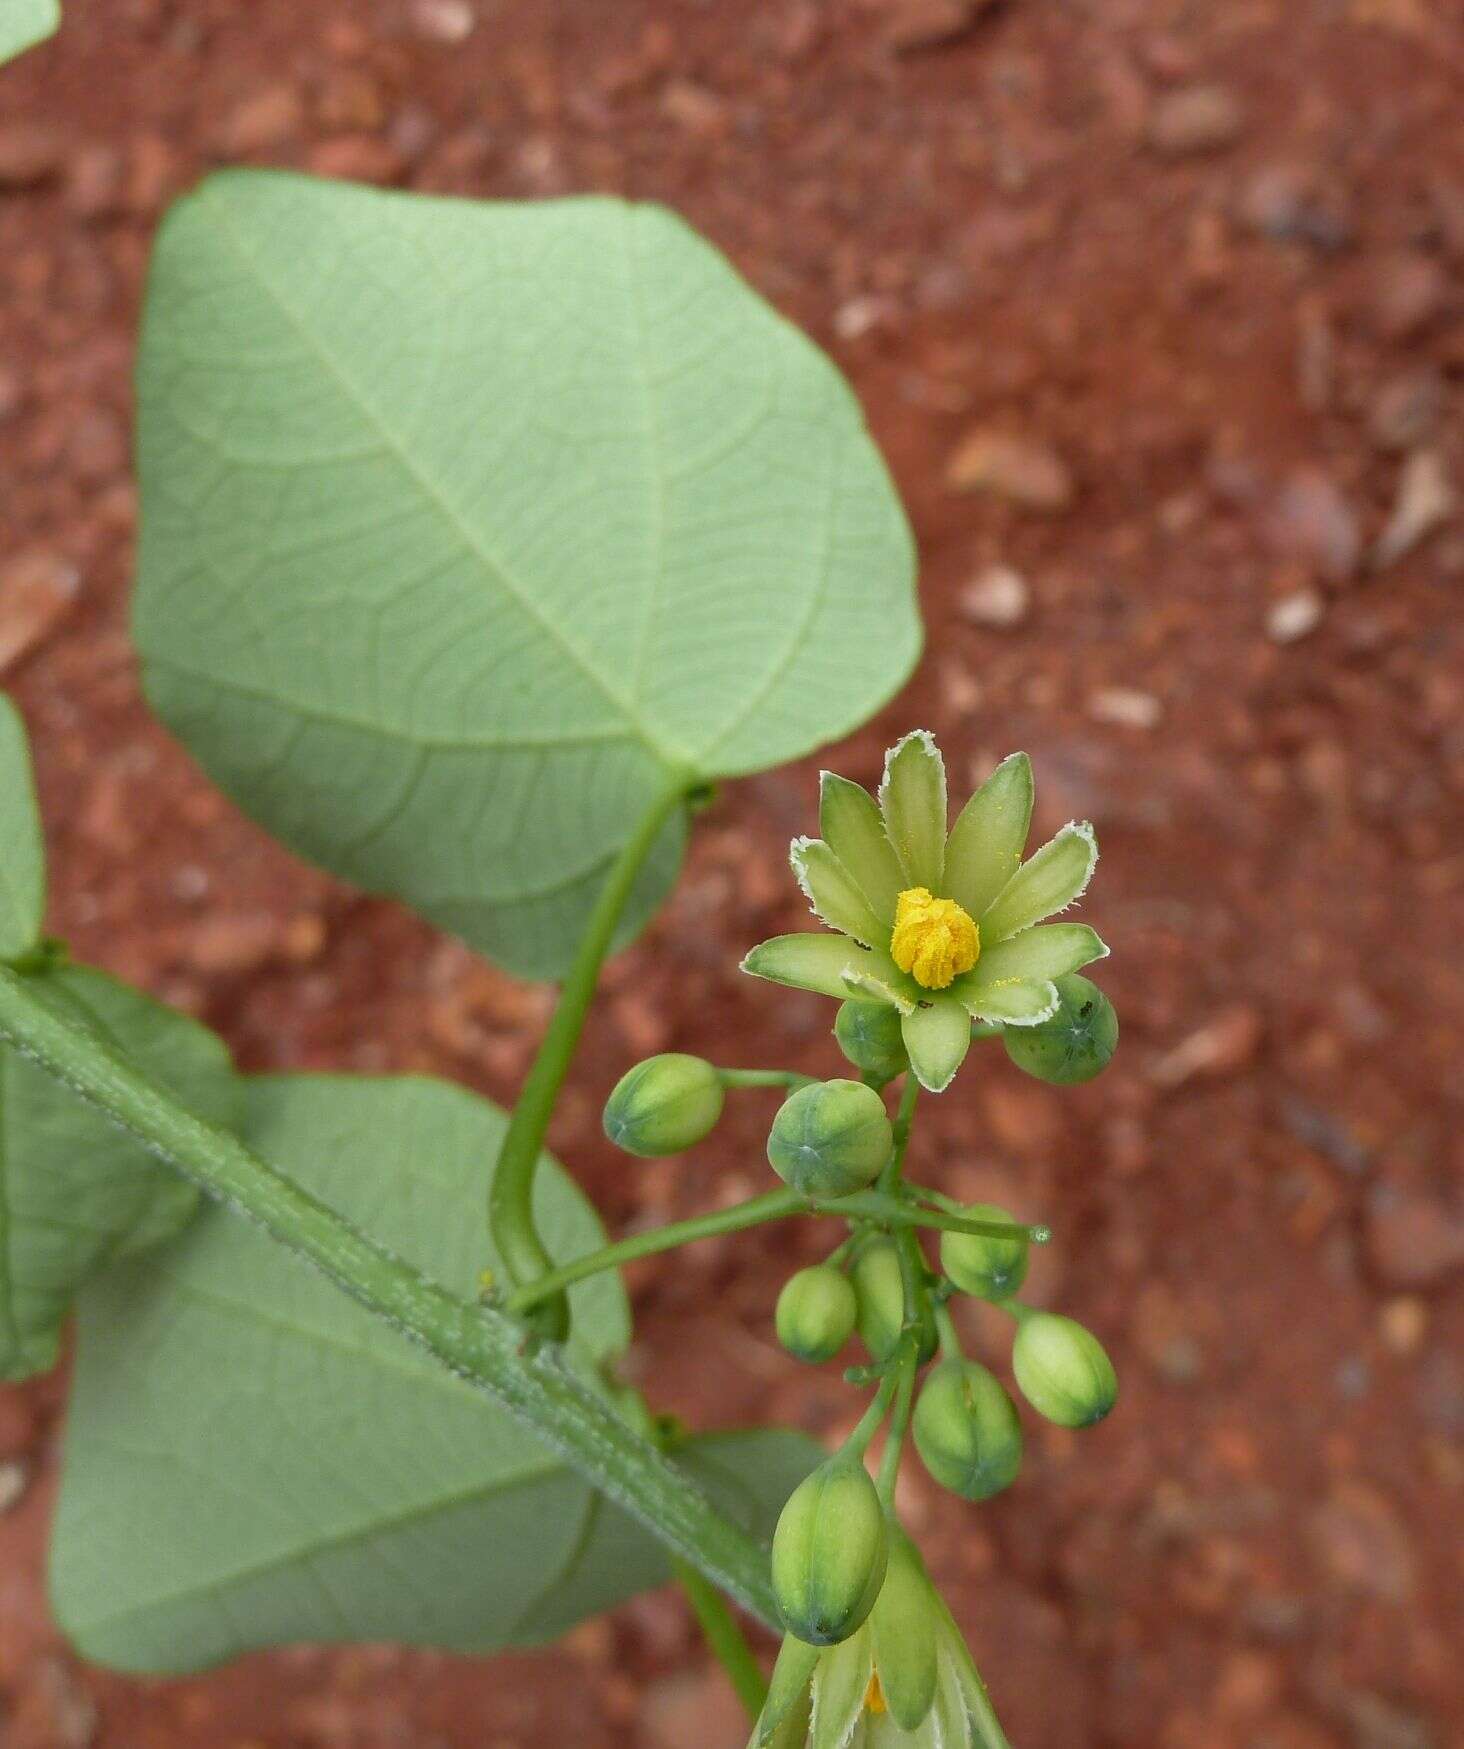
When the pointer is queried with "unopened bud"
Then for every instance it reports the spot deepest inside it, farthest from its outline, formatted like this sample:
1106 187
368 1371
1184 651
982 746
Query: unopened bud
904 1626
816 1312
967 1431
1076 1044
869 1036
831 1138
663 1105
829 1552
879 1288
1062 1370
982 1264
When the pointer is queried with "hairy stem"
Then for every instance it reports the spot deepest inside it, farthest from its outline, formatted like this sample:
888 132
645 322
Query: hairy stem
481 1345
510 1201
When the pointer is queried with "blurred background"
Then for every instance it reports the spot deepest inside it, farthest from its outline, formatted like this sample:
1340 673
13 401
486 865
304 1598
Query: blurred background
1157 309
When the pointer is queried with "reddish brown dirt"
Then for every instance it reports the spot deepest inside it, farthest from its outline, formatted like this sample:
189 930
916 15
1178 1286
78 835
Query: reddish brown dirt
1211 259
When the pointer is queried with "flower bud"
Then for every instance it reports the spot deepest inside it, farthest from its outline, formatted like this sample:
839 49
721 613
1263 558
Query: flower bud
990 1268
879 1289
904 1627
1076 1044
869 1036
816 1312
1062 1370
831 1138
829 1552
663 1105
966 1430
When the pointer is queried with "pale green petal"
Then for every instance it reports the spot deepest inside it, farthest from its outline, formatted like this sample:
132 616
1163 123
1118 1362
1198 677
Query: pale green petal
1048 881
850 821
832 892
937 1038
1045 952
839 1686
789 1684
986 843
912 798
859 983
903 1628
791 1732
807 962
1020 1003
951 1715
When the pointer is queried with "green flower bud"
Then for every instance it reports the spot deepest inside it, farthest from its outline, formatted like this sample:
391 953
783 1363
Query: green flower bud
1062 1370
663 1105
990 1268
879 1288
1076 1044
816 1312
829 1552
966 1430
904 1627
869 1036
831 1138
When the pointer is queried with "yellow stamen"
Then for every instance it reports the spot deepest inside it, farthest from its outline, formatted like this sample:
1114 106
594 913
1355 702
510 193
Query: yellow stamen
934 939
874 1700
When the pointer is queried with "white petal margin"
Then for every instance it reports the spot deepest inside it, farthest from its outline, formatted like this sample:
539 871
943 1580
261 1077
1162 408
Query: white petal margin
1048 951
791 1676
806 962
912 797
849 819
1048 881
876 989
986 843
832 892
937 1038
1021 1003
839 1686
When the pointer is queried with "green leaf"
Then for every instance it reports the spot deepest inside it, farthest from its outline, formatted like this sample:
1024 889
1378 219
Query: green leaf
24 23
22 848
253 1459
75 1191
469 527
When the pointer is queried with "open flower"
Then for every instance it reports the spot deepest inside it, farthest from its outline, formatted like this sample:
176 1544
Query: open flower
942 928
904 1680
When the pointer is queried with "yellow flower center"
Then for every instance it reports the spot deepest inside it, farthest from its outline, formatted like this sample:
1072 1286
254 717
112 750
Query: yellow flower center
934 939
874 1700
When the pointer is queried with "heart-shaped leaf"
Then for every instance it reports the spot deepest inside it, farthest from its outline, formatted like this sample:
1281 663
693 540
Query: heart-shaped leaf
470 528
22 850
75 1191
24 23
251 1458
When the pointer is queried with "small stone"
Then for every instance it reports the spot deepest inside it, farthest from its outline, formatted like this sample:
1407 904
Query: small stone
1294 616
29 155
1360 1538
221 944
695 109
1221 1047
1409 292
1308 518
266 118
929 24
1023 471
1414 1236
1289 203
356 158
37 590
94 182
999 598
1195 119
1403 1324
1426 500
443 21
14 1479
1126 707
1406 409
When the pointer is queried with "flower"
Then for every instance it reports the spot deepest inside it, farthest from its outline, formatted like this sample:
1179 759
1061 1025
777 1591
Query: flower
940 927
904 1680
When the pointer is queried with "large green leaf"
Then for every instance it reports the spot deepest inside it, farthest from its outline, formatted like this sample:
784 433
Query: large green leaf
75 1191
24 23
252 1459
22 850
467 526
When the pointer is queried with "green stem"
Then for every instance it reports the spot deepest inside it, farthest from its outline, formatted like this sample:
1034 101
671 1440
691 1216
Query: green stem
740 1078
858 1441
776 1205
889 1179
510 1201
889 1463
722 1634
875 1205
950 1341
483 1346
